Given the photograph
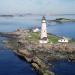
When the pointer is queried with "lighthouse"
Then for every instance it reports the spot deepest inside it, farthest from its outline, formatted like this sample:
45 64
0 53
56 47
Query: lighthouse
43 36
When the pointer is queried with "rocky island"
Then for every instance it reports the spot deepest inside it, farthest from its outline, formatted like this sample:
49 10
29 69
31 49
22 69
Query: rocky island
62 20
26 44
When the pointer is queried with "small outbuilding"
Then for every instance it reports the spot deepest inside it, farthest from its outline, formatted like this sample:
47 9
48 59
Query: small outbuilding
63 40
36 30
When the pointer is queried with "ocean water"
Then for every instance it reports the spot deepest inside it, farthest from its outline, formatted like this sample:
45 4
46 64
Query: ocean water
60 29
10 64
64 29
63 67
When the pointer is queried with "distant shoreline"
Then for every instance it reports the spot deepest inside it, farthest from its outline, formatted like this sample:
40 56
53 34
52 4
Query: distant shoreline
31 14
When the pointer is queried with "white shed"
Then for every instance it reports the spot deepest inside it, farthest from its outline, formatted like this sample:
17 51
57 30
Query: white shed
36 30
63 40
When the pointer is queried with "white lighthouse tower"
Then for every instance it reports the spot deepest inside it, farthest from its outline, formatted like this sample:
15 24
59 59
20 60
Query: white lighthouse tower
43 38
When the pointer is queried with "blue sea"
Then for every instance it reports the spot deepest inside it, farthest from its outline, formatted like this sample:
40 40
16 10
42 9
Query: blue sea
60 29
10 64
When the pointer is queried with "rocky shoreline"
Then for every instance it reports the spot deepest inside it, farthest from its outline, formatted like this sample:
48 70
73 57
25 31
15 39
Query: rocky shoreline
39 55
62 20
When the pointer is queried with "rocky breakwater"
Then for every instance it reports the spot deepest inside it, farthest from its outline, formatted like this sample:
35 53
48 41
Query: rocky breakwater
36 62
25 49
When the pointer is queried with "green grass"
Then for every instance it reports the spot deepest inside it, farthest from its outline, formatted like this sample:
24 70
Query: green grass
36 36
53 39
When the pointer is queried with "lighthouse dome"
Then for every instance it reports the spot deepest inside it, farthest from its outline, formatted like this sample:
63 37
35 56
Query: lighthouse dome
43 18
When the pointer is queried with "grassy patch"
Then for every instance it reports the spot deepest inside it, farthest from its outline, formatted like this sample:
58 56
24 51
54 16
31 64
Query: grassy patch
33 37
36 36
53 38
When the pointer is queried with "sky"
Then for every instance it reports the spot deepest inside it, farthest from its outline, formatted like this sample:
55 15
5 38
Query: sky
37 6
